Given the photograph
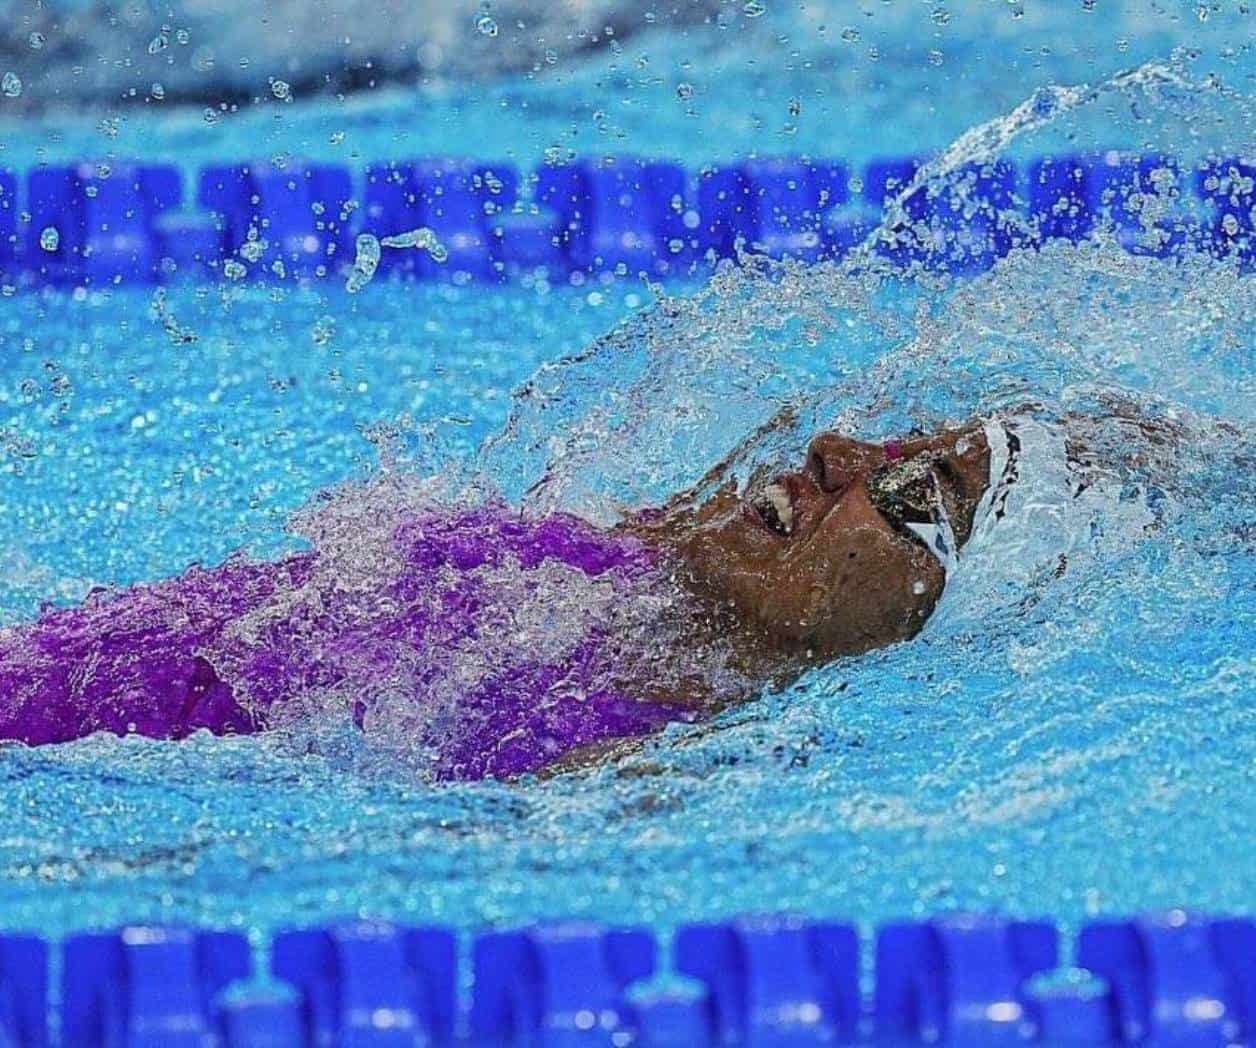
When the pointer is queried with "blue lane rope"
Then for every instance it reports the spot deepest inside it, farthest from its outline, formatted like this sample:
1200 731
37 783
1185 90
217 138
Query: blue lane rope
1173 978
88 225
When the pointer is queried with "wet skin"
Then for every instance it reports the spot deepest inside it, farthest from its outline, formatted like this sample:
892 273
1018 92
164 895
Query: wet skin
817 570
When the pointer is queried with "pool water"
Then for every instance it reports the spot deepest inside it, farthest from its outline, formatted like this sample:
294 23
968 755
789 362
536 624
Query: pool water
1062 746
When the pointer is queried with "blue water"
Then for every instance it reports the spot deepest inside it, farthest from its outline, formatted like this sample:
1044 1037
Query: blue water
1072 746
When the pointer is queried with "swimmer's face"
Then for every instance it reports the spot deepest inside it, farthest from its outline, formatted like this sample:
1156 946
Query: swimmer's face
811 561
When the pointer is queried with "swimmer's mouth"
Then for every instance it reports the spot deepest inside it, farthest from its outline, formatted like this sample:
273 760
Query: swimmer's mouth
775 506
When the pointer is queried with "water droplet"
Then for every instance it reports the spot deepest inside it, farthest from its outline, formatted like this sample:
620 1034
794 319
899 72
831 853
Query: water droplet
50 239
753 8
323 330
251 250
37 40
684 91
485 24
364 264
11 85
158 43
422 238
281 90
918 587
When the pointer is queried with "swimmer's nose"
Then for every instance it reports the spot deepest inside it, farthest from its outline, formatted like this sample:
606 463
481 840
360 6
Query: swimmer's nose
834 462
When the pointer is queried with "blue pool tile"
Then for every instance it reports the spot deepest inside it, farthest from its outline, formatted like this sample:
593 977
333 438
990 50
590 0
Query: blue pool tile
727 214
1141 196
786 200
1059 197
844 228
958 978
885 178
675 217
54 233
1177 979
262 1019
294 215
884 181
226 192
832 183
626 215
187 245
23 991
119 213
146 986
10 247
449 200
1228 186
371 983
1070 1016
671 1018
564 190
390 206
775 982
526 238
556 985
497 185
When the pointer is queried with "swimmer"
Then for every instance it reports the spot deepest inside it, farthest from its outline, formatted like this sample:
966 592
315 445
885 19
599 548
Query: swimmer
497 644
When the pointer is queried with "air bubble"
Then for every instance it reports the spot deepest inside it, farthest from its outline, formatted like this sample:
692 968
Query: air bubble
684 91
233 270
37 41
753 8
281 90
50 239
158 43
485 24
11 85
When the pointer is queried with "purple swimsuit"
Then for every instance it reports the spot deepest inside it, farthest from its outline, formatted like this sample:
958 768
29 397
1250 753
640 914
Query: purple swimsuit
226 648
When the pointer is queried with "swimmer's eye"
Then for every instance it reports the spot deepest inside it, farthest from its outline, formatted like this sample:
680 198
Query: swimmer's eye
902 491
